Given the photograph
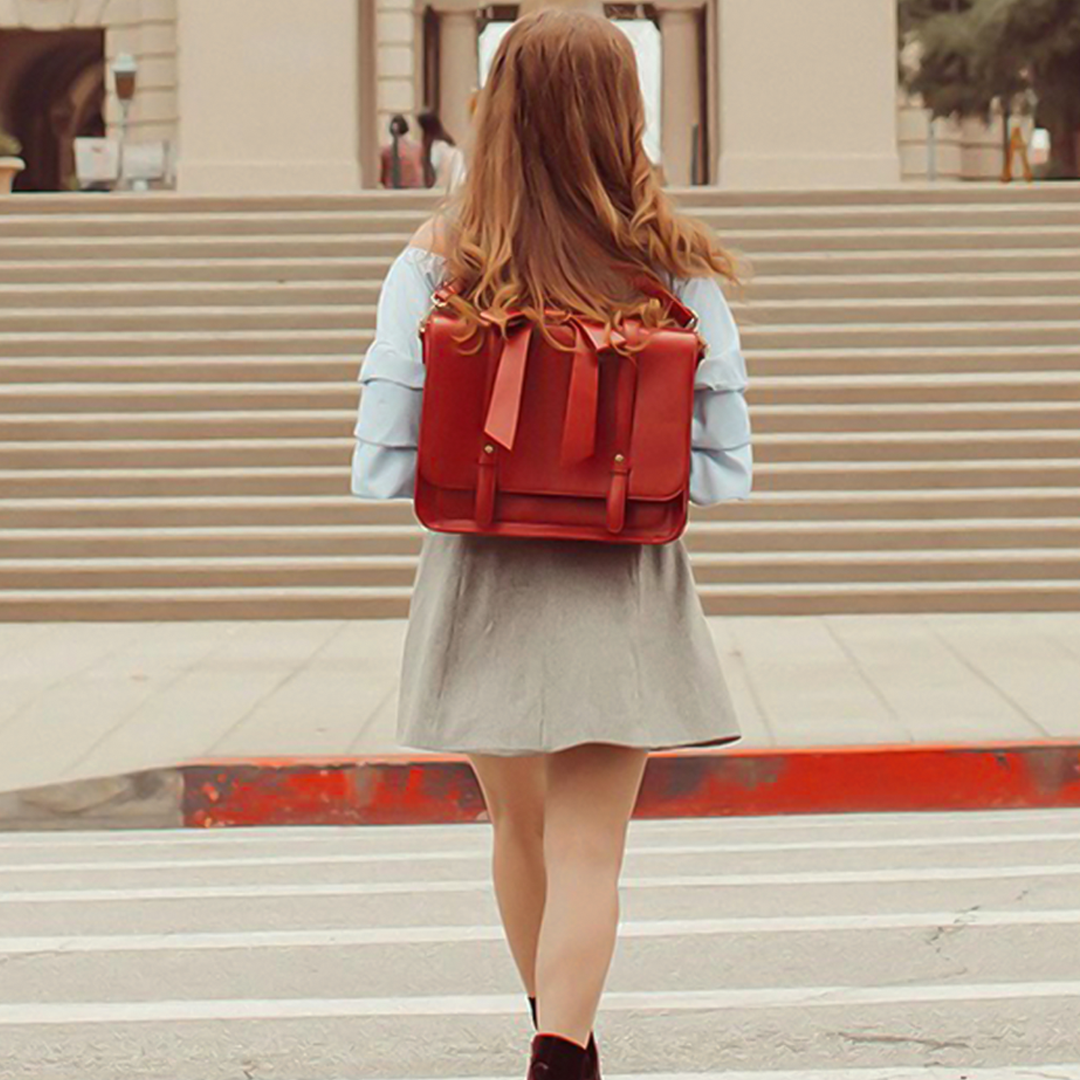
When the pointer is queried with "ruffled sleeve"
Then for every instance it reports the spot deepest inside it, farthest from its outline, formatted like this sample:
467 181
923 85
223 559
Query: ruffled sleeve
392 379
721 455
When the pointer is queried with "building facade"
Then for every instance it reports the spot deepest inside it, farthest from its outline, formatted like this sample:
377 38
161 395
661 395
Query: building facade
278 96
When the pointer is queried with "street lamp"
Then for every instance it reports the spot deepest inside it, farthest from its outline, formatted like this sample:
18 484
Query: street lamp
124 70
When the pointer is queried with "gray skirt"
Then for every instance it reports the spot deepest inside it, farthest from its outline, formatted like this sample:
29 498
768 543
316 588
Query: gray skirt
524 646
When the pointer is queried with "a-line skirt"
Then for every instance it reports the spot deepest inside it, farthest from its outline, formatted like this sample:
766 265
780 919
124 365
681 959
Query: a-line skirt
523 645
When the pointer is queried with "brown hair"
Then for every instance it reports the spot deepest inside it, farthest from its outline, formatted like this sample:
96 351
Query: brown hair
560 206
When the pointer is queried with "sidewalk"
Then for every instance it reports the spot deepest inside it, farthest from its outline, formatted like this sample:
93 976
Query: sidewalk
244 722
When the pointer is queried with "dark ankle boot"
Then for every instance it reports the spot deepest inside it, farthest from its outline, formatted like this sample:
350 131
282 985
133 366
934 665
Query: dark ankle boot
555 1057
592 1066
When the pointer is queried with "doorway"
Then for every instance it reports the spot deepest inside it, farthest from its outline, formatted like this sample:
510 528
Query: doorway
52 91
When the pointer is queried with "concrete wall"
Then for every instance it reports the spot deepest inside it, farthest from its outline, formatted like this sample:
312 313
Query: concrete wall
269 96
807 93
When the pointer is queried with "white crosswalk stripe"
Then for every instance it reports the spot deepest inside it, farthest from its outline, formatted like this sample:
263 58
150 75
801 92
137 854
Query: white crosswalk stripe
910 947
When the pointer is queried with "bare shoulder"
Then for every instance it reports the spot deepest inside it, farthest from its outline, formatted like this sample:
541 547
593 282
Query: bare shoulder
433 235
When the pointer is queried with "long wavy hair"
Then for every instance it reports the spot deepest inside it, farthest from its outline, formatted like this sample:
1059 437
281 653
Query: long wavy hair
560 207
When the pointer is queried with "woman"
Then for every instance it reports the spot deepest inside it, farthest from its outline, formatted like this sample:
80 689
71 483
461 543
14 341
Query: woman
556 665
401 163
444 163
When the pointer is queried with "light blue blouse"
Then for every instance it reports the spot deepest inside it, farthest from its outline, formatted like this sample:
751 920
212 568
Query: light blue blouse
392 380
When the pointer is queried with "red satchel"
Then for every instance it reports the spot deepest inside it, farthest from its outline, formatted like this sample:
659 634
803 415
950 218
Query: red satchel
519 438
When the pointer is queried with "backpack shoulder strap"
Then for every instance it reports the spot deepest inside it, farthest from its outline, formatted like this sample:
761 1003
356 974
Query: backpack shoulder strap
443 293
652 286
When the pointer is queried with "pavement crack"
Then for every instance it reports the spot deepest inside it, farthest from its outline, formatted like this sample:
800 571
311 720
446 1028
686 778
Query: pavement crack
936 1044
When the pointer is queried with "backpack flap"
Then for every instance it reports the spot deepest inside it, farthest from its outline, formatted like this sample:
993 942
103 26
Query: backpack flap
458 389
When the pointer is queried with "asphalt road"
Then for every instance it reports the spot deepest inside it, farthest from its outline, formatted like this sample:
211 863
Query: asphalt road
842 947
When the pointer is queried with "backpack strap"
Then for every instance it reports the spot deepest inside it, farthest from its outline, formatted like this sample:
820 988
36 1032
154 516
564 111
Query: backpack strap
444 292
652 286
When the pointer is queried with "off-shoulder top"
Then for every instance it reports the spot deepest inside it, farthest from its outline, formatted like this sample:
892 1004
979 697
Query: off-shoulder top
392 381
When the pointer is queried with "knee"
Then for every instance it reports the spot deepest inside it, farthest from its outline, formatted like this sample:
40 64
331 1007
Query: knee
584 848
522 826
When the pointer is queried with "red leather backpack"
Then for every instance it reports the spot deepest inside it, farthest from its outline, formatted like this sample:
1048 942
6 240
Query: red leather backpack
522 439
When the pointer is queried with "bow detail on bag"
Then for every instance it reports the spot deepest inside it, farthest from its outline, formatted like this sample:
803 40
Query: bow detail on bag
583 396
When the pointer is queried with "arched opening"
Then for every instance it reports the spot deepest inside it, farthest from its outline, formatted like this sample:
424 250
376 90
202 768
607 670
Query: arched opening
52 92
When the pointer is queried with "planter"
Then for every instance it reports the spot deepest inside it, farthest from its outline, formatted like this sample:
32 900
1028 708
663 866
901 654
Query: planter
10 167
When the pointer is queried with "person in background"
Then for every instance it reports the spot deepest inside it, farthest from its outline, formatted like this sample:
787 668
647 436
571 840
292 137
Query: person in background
401 163
444 163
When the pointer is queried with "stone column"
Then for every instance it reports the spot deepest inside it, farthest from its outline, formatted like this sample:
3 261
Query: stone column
807 94
269 96
368 82
680 99
459 63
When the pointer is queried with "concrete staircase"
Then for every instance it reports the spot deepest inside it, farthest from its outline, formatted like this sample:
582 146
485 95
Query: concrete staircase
179 388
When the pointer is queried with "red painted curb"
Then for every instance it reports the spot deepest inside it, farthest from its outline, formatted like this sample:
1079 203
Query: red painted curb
442 789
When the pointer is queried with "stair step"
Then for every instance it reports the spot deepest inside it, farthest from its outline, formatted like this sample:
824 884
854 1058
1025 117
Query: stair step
955 387
944 534
187 324
928 284
139 512
986 260
205 318
913 335
378 571
887 269
178 371
226 225
168 295
902 361
195 271
319 419
868 598
297 305
128 395
190 343
824 448
149 202
393 602
1013 365
217 481
212 541
203 237
299 282
701 537
930 311
912 192
209 247
239 221
929 445
791 341
147 605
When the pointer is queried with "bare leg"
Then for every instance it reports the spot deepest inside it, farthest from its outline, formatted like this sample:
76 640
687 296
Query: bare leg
513 789
591 791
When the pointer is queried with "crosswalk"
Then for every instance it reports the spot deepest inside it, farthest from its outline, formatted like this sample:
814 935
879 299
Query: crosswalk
932 946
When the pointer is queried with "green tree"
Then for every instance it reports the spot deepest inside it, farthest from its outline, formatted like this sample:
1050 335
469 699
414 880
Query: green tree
913 13
975 52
